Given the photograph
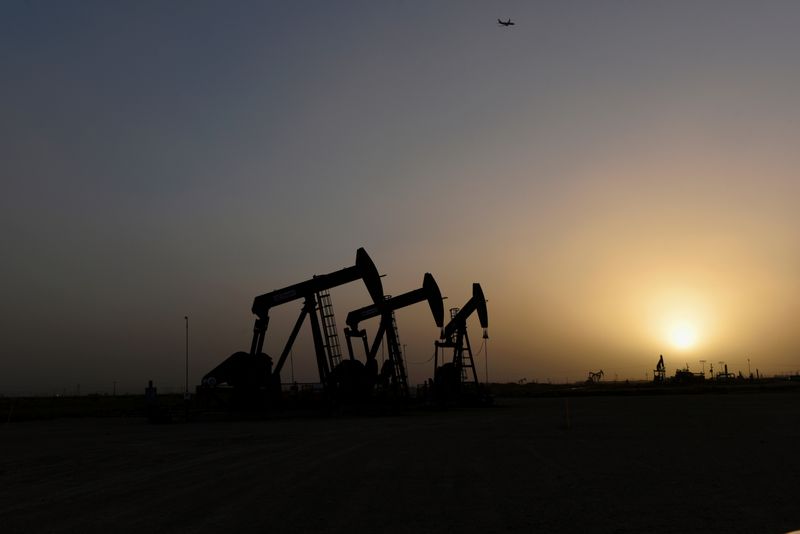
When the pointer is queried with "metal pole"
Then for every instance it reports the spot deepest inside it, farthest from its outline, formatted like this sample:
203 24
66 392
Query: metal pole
486 360
186 389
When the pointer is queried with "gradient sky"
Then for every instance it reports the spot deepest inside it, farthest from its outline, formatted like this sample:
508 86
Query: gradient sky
605 170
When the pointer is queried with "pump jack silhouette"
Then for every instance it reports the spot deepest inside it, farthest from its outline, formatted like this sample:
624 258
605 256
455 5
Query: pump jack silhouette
660 372
251 373
393 374
450 378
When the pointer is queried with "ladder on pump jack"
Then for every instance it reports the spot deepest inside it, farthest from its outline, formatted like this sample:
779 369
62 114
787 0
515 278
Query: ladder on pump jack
399 359
465 362
332 346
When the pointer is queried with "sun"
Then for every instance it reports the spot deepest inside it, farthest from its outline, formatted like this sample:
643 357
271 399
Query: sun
683 335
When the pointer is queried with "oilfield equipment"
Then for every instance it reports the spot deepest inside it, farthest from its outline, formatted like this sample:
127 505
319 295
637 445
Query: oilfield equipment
595 378
393 374
685 376
725 375
449 378
249 379
253 372
660 372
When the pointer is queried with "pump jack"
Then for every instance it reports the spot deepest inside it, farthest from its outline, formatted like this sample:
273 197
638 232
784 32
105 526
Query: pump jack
449 377
394 370
253 371
660 372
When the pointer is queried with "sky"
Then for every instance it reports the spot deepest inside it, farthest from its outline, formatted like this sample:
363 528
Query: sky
620 177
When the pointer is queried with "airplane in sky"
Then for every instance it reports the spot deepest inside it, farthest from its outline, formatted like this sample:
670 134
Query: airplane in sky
505 22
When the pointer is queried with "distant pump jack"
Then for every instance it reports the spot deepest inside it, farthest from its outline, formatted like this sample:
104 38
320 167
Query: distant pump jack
660 372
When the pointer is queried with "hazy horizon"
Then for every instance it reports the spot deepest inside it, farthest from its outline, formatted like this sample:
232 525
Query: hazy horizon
620 178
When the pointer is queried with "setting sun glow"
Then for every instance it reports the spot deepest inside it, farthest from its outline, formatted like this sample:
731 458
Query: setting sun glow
683 335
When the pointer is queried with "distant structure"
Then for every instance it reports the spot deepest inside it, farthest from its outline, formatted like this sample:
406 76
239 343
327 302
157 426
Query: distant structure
725 375
595 378
685 376
150 393
660 372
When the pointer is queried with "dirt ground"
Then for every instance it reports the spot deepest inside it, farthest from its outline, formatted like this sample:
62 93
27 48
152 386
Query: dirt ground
682 463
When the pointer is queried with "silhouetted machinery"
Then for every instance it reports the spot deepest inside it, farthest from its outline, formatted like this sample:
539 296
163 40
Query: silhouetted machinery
595 378
392 375
725 375
685 376
253 372
660 372
450 378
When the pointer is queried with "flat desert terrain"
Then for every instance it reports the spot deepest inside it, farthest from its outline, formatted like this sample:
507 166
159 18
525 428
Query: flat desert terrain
677 463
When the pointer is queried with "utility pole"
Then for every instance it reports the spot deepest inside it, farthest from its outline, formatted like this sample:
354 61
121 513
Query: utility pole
186 388
749 373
